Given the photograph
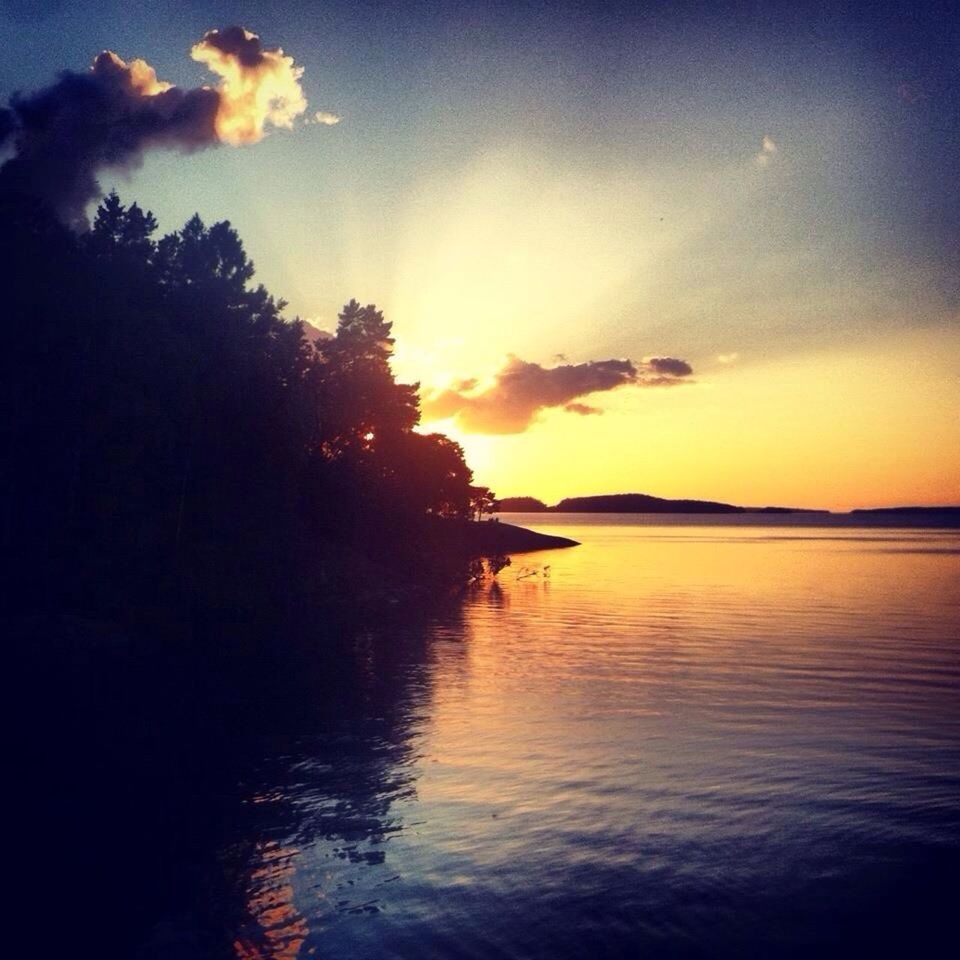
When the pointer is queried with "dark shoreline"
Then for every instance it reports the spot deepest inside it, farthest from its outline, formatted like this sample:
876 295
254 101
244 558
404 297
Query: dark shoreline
138 724
491 537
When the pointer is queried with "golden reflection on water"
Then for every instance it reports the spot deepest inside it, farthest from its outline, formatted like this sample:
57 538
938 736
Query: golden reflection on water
675 729
280 929
664 673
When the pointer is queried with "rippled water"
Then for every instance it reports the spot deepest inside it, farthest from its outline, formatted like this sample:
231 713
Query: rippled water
724 739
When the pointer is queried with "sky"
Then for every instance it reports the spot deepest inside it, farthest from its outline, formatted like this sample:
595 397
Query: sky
692 250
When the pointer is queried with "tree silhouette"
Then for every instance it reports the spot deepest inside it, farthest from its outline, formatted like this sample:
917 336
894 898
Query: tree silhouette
209 497
361 403
167 429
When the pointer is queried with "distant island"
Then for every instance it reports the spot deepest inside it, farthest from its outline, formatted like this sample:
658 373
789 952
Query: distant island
520 505
644 503
633 503
946 515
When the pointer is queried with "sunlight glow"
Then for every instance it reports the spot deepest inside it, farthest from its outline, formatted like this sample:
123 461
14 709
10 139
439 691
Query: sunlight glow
517 253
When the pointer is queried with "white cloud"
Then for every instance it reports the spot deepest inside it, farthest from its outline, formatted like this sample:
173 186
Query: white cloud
728 357
326 119
768 150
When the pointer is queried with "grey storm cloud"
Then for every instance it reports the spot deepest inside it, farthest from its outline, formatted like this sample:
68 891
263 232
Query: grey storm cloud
63 135
521 390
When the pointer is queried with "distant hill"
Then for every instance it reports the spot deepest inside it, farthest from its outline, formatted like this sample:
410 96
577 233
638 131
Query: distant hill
521 505
947 516
632 503
641 503
644 503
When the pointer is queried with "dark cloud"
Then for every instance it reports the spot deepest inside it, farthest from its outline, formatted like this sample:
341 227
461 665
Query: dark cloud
8 125
670 366
584 409
64 135
521 390
236 42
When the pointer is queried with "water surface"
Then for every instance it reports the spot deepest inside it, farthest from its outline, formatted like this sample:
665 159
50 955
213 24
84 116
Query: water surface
681 738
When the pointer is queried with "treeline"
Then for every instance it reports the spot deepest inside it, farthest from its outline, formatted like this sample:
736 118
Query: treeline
169 435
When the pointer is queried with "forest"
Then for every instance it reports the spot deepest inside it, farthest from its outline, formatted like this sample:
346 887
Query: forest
202 509
172 442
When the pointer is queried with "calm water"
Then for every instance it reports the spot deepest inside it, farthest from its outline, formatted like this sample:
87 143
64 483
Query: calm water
679 740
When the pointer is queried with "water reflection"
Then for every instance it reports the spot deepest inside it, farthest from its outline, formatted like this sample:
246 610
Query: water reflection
683 742
274 930
334 785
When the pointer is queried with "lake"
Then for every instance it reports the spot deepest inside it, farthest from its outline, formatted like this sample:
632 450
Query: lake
687 737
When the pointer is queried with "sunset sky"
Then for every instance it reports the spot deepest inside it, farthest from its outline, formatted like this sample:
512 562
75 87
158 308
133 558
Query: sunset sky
766 192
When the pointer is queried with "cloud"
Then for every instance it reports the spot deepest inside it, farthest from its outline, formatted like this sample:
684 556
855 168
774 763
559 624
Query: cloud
728 357
257 86
326 119
107 117
520 390
669 365
768 150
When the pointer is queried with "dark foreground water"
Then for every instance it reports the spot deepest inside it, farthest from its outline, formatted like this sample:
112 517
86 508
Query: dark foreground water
720 740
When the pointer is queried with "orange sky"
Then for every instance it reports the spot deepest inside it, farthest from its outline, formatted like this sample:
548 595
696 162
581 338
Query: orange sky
837 429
